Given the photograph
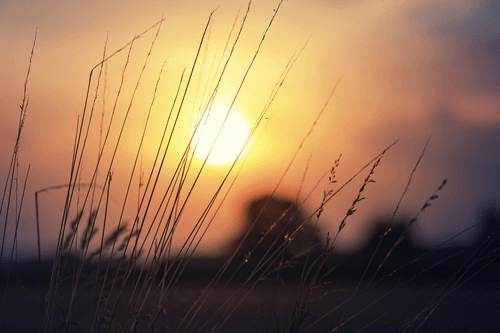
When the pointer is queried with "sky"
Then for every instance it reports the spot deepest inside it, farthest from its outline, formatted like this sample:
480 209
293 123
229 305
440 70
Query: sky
401 70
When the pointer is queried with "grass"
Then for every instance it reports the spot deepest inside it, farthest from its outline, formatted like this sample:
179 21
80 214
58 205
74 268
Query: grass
124 277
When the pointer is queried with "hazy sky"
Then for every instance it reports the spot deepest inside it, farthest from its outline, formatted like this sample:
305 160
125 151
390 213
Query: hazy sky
407 70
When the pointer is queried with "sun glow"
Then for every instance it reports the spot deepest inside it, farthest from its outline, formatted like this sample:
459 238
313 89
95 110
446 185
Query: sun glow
230 141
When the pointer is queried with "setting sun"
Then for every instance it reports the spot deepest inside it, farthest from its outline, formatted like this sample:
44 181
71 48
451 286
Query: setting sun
230 141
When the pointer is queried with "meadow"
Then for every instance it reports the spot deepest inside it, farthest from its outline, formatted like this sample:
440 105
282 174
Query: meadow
126 265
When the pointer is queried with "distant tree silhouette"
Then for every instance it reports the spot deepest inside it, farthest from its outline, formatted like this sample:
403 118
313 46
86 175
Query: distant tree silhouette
389 249
390 252
483 261
272 224
490 220
475 263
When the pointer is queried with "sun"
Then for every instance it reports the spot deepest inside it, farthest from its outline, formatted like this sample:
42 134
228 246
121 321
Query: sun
230 141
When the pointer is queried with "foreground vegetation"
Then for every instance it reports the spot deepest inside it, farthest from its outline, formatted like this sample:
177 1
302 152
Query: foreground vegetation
124 277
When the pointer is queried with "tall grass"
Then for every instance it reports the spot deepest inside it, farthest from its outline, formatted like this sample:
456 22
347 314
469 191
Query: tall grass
123 277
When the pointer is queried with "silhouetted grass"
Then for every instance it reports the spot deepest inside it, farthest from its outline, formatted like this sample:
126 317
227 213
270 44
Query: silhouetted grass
123 278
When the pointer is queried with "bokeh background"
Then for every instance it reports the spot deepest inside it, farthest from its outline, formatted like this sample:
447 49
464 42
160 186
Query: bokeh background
408 70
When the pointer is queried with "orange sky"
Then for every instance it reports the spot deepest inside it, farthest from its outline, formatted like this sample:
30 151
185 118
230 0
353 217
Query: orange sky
408 69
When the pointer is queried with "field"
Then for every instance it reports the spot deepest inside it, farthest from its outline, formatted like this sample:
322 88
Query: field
140 200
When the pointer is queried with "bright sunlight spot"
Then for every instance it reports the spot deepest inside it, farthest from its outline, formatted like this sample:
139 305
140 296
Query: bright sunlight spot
231 138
